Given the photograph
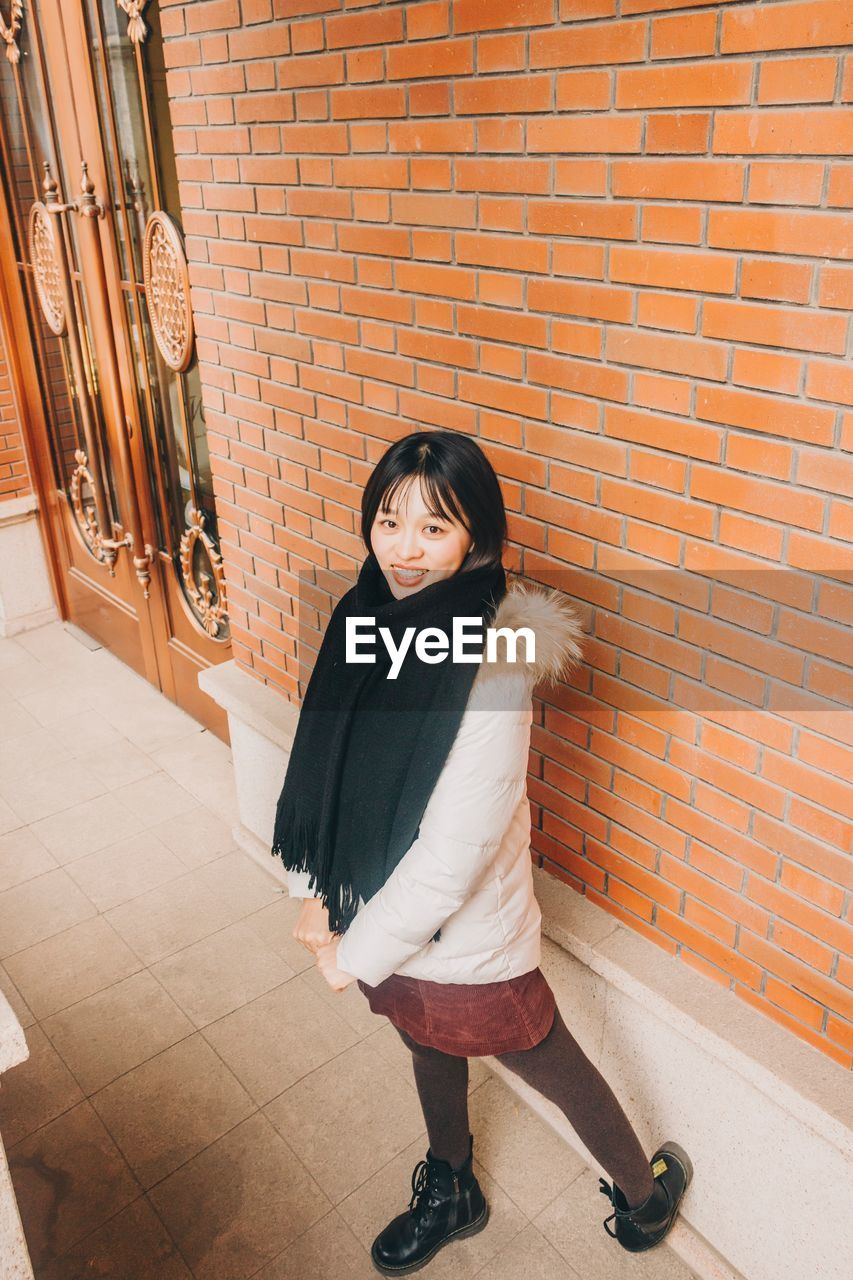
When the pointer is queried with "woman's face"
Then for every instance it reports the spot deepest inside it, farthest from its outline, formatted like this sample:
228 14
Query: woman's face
408 537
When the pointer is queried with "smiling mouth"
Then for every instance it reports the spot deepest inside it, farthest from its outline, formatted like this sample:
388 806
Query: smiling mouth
410 575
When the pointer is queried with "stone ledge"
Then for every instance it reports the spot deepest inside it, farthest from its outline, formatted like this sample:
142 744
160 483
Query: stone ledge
15 510
789 1072
254 703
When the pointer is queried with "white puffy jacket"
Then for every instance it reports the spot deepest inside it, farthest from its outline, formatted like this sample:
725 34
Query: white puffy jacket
469 870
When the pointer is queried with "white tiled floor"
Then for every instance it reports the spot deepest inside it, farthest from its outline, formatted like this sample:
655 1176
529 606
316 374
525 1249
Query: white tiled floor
197 1102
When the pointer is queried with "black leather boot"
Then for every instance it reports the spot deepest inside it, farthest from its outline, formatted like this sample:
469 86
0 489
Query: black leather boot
642 1228
445 1205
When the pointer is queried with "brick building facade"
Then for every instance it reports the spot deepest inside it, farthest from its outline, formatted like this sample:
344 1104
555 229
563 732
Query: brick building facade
613 247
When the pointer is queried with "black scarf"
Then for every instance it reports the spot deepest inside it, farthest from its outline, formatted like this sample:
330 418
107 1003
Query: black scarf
368 750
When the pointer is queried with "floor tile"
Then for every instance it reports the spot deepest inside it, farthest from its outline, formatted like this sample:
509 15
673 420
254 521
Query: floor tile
9 821
272 1042
36 1091
274 925
125 870
57 703
87 827
170 917
22 856
69 1178
71 965
113 1031
28 752
134 1245
237 877
168 1109
197 836
530 1255
40 908
37 795
341 1126
118 763
257 1198
328 1251
521 1152
221 972
158 794
15 720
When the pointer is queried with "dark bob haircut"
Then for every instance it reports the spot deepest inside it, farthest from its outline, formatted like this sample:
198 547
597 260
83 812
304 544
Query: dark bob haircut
458 482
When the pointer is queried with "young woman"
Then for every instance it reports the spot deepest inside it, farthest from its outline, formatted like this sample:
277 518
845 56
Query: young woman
404 825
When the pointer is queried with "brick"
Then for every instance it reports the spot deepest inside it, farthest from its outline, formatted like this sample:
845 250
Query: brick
797 80
583 90
472 15
580 218
779 281
676 437
374 103
826 234
578 45
703 180
319 69
504 96
707 273
670 353
717 84
678 133
766 370
431 135
684 36
672 224
790 183
757 497
378 27
775 326
611 134
784 133
433 59
427 20
591 301
500 53
805 25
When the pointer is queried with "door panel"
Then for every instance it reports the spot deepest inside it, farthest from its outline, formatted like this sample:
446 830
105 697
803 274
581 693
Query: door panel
96 251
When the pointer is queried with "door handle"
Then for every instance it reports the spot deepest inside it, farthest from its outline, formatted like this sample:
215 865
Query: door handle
48 254
90 209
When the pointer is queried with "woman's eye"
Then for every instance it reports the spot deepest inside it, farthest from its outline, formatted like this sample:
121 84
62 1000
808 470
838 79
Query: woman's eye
434 526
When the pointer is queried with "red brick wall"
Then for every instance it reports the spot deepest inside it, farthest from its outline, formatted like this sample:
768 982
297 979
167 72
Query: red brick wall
14 478
613 249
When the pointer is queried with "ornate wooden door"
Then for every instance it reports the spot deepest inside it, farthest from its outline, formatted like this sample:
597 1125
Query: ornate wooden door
97 299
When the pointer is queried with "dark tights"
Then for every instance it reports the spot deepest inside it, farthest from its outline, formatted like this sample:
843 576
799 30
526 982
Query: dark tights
560 1070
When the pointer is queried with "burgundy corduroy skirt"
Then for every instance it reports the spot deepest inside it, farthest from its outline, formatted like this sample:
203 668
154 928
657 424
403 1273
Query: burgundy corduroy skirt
472 1020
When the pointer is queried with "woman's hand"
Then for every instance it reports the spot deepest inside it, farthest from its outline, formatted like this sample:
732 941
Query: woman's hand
327 963
312 927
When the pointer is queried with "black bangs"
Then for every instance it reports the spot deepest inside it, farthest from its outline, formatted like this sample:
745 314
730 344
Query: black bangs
458 482
441 501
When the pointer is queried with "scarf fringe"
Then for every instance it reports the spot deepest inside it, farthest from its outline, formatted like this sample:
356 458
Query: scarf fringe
296 841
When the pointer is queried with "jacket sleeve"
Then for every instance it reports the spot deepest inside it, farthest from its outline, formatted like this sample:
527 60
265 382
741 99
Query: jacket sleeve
464 823
297 884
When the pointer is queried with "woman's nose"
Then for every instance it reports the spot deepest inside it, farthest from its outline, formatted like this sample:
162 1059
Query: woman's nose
408 545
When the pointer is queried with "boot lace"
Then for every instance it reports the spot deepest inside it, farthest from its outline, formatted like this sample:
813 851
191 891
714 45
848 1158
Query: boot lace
606 1190
421 1189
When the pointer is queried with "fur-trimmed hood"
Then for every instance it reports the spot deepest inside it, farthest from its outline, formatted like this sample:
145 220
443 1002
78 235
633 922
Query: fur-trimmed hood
556 625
